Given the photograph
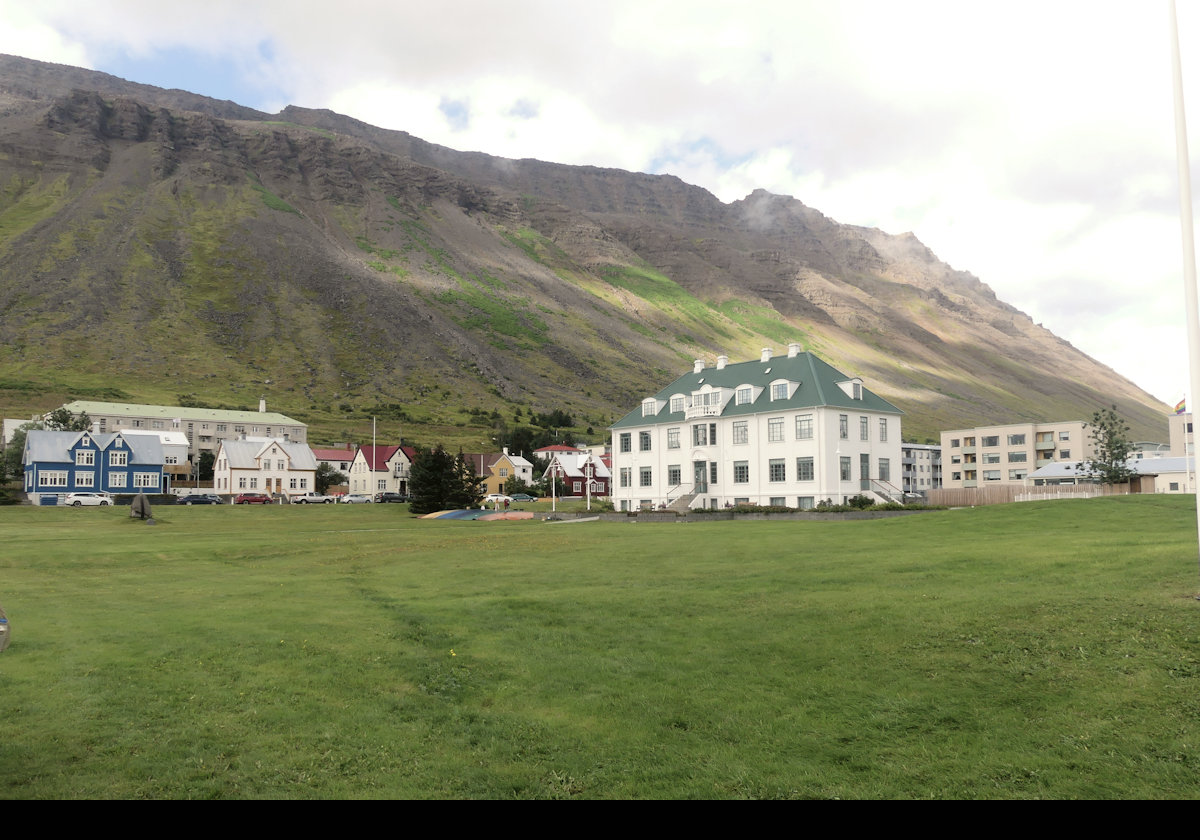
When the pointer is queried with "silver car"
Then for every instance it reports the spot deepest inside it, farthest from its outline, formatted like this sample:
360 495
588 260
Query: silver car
355 499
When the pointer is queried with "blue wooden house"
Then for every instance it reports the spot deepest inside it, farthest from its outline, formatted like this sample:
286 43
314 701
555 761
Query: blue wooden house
66 462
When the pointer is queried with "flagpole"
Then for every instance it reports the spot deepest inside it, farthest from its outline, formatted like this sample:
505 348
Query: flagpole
1189 237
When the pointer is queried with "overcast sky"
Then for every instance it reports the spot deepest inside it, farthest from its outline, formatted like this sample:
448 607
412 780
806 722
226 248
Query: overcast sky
1029 143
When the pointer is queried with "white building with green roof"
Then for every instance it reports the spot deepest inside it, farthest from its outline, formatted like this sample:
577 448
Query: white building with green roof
204 428
789 431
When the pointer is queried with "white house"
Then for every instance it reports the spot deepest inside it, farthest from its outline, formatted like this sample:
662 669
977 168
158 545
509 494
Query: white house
787 431
382 468
264 465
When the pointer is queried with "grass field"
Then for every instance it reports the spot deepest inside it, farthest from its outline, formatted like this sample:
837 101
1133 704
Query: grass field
1023 651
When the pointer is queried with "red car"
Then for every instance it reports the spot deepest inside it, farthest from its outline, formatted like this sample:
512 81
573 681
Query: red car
252 499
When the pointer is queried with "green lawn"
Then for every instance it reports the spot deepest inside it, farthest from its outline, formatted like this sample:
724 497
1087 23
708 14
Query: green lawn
1040 650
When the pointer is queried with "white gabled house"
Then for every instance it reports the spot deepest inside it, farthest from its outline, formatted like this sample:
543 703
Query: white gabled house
381 468
789 431
264 465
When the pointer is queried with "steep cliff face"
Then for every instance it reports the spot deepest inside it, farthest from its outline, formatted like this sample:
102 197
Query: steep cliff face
157 244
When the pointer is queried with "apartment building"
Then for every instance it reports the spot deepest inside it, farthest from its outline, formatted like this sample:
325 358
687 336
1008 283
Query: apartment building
993 455
922 468
204 428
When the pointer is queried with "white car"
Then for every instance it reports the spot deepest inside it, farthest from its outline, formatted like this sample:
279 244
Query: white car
84 499
492 498
355 499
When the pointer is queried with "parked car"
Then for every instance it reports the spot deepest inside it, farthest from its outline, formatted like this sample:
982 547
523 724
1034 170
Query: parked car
355 499
252 499
312 499
523 497
201 499
492 498
85 499
390 497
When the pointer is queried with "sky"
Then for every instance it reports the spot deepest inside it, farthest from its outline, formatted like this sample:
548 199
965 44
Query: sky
1031 144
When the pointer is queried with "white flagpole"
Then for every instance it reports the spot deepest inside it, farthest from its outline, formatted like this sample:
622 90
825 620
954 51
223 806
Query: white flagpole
1189 237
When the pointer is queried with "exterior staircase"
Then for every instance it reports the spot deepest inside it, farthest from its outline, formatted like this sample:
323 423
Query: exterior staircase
682 504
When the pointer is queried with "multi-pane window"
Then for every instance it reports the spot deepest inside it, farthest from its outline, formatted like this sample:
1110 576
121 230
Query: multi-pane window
804 469
844 467
741 431
883 430
643 441
775 429
712 472
844 426
85 457
1016 440
1015 457
885 469
85 479
291 484
1017 475
116 480
991 457
676 405
806 502
254 483
1064 435
649 408
804 427
864 428
1064 454
991 475
626 476
145 479
990 440
52 478
704 434
674 475
744 396
779 391
673 438
741 472
776 470
646 476
626 442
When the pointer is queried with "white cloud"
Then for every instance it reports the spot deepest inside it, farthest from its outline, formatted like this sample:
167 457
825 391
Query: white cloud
1029 143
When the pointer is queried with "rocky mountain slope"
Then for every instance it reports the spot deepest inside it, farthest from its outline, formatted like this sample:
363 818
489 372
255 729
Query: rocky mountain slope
156 245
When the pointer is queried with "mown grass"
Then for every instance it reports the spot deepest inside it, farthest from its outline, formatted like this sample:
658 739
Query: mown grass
1029 651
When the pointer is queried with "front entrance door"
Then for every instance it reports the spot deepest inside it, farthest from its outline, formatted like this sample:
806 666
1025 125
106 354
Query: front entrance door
701 476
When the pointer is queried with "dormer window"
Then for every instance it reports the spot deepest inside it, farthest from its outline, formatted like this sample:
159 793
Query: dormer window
676 404
857 391
745 395
649 408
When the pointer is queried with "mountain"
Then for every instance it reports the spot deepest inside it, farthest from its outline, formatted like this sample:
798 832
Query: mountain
158 246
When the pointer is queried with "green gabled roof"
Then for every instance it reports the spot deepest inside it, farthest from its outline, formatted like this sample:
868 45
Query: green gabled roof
818 388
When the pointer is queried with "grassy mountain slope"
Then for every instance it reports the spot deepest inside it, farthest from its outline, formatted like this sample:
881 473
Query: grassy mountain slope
155 246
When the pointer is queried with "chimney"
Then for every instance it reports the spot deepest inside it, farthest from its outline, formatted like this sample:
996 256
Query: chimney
766 354
262 405
699 366
793 349
721 362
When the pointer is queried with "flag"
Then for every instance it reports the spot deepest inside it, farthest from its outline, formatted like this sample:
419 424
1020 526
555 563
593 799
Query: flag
1181 407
